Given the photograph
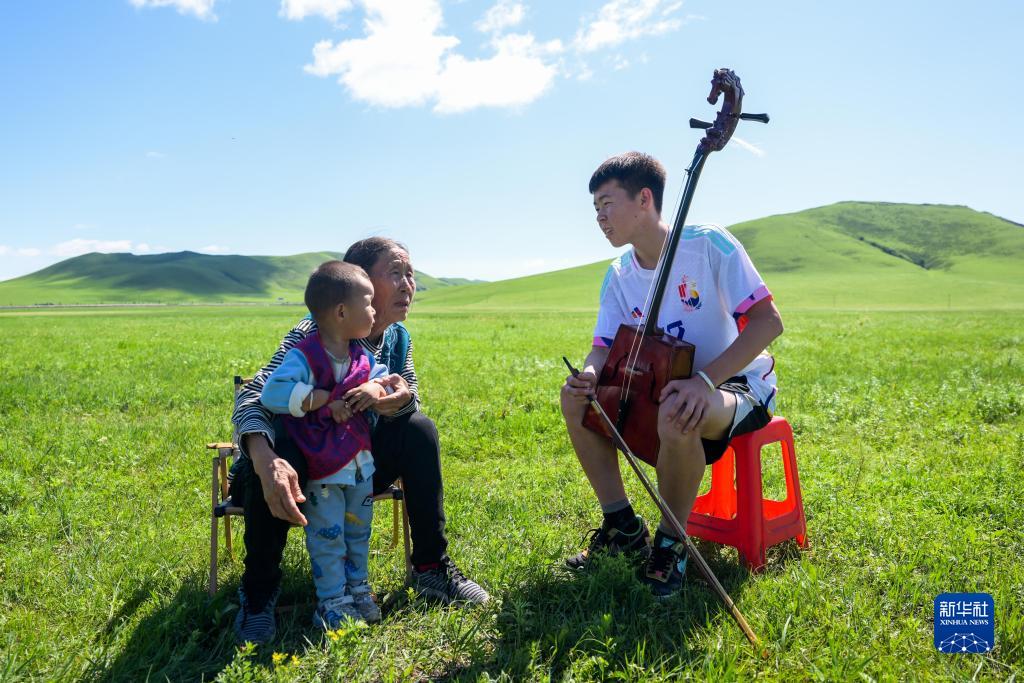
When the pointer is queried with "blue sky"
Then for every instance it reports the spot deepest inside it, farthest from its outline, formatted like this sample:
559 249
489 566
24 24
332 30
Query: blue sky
468 129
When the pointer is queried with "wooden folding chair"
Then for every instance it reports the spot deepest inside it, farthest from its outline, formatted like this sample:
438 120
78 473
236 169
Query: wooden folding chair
224 508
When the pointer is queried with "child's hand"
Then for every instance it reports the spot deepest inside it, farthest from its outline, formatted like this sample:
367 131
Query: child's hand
364 396
340 411
316 400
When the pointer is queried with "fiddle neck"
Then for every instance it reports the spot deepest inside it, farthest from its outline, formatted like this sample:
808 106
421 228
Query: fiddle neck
668 253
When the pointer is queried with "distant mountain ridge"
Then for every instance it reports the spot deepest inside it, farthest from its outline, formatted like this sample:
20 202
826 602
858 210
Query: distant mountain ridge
846 254
175 277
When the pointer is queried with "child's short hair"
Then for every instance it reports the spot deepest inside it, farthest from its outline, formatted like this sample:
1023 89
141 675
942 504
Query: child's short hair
634 171
332 283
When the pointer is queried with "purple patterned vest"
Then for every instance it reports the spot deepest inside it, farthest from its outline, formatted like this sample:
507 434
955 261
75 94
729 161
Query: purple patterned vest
328 445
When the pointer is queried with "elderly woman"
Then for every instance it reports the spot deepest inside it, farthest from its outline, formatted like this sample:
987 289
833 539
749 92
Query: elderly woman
405 444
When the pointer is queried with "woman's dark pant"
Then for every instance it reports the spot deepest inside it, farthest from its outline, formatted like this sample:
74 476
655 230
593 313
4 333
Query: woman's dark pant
405 447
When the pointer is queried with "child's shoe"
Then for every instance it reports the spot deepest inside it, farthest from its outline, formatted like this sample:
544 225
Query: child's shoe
364 602
333 613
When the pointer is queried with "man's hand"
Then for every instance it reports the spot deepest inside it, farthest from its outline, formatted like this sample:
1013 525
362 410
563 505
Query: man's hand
279 480
340 410
580 387
687 402
364 396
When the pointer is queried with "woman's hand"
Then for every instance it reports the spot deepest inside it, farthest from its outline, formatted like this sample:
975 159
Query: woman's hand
399 397
364 396
278 479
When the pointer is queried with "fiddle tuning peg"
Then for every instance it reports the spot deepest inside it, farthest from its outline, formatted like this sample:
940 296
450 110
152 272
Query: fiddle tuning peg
763 118
697 123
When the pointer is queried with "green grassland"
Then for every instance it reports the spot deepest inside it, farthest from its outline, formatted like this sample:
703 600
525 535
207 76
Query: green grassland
908 432
175 278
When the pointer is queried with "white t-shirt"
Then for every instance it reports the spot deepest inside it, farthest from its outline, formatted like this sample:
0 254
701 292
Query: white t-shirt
711 286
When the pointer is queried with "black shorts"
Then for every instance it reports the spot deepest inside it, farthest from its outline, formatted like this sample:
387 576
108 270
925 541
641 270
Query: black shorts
750 416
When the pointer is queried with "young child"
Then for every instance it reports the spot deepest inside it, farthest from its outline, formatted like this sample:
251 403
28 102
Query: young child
717 301
320 390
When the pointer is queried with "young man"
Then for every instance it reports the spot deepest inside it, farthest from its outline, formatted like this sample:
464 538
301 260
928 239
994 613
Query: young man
716 301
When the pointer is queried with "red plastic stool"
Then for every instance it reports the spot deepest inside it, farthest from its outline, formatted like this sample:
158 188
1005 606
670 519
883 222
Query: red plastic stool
738 514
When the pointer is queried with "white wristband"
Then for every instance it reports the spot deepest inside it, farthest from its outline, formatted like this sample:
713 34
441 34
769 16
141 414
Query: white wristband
707 380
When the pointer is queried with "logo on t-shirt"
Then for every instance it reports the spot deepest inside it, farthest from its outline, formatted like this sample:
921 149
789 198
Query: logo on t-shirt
636 313
688 295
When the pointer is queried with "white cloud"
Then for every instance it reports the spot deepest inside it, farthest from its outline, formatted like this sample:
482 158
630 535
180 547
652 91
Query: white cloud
296 10
516 75
201 8
24 251
505 14
405 60
750 147
585 73
78 246
621 20
398 63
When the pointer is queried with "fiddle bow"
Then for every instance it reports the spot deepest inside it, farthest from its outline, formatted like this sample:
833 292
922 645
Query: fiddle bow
642 360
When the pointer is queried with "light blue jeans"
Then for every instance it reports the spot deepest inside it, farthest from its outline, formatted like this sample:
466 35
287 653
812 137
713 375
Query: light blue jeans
338 534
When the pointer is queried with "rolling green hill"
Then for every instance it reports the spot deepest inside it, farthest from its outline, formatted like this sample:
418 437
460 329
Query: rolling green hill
846 255
177 277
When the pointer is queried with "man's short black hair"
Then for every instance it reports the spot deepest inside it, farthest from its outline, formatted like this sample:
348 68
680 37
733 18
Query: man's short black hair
634 171
332 283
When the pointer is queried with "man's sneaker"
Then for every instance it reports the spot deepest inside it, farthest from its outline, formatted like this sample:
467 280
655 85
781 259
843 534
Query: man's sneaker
332 613
255 623
612 541
363 600
447 584
663 573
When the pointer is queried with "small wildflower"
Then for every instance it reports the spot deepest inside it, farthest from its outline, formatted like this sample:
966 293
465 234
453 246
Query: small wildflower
278 658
